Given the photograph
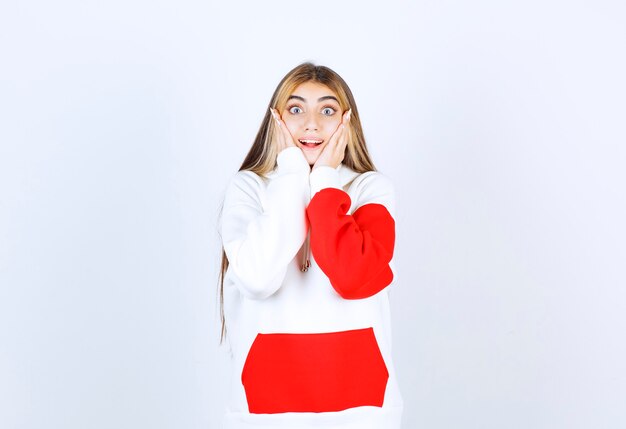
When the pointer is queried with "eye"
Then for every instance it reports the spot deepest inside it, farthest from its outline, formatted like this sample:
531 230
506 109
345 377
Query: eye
330 111
293 108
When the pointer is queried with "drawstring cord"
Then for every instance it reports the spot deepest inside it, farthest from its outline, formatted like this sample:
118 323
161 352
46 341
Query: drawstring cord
306 263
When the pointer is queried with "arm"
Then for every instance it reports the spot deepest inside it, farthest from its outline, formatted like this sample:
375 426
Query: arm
354 251
260 239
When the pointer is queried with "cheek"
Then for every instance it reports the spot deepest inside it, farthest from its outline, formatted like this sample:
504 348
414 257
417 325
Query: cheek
292 126
330 127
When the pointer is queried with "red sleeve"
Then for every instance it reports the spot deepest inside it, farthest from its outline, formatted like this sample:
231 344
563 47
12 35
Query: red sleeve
354 251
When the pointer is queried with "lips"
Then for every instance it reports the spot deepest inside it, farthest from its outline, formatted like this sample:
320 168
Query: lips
310 141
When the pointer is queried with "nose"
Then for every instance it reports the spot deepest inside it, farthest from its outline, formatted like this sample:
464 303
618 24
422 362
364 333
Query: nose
310 122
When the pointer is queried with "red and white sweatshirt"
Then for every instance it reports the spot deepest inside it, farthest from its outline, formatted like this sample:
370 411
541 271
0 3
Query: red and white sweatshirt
311 349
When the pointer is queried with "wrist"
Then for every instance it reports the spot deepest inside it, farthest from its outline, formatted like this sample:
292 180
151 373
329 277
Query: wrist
325 176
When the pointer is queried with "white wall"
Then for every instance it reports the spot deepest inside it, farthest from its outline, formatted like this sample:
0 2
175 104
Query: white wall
501 123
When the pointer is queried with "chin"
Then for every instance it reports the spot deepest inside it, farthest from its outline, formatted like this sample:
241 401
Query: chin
312 160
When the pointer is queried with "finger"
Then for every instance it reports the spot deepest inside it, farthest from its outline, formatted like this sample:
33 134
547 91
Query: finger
334 138
343 140
339 129
288 138
280 136
347 138
346 132
347 116
275 116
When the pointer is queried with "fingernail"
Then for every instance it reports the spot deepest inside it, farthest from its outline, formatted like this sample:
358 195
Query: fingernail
275 118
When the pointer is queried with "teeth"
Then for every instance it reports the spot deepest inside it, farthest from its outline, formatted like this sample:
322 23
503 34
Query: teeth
310 141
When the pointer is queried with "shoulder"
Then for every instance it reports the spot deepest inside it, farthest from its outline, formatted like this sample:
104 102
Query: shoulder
246 178
374 187
374 182
245 183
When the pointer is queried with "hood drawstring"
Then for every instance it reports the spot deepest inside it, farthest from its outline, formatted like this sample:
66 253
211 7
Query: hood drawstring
306 262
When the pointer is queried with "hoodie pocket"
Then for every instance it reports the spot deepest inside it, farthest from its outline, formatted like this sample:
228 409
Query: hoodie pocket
318 372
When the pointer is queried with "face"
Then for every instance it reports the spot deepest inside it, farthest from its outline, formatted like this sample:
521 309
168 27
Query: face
312 114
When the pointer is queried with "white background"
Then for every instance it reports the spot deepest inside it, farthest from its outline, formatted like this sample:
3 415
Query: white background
500 122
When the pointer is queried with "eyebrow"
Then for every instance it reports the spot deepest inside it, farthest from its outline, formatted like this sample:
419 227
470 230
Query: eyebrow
326 97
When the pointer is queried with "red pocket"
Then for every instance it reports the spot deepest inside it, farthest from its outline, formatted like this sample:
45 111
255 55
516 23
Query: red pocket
314 372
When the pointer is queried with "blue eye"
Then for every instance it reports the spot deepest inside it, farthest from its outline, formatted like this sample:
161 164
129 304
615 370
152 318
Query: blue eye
332 111
292 108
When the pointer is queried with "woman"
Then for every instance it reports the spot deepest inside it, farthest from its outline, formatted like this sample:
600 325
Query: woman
308 234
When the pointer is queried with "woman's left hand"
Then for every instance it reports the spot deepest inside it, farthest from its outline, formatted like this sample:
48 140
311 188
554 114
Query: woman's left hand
334 152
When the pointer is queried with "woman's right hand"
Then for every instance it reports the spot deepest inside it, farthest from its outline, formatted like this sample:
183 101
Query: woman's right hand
285 139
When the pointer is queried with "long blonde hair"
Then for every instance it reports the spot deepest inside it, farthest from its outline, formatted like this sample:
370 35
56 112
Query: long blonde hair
261 159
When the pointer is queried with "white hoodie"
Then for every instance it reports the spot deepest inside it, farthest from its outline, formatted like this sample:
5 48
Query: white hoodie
311 349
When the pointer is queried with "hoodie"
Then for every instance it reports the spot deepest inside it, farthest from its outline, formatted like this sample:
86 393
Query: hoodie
306 298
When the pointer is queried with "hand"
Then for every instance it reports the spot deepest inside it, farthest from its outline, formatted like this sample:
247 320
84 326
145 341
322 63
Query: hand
285 139
335 150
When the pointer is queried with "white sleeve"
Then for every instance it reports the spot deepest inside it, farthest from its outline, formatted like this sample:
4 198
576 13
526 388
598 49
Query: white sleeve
262 236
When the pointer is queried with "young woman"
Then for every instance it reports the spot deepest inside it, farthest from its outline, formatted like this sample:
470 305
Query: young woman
308 234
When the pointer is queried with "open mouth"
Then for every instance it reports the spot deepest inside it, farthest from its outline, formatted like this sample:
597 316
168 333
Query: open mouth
310 142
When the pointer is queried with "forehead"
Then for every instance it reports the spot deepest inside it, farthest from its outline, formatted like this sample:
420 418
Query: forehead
311 92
